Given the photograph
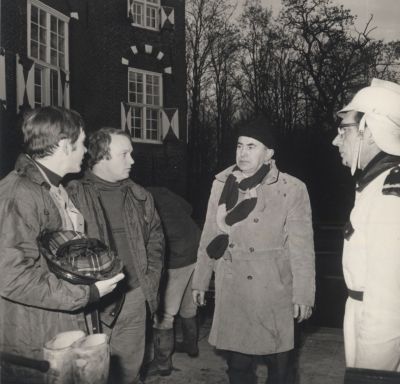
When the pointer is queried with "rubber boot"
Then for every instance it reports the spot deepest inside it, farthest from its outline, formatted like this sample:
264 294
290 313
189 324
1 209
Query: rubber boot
163 340
190 337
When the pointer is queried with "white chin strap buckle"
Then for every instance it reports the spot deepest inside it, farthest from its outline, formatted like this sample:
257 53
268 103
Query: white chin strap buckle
356 163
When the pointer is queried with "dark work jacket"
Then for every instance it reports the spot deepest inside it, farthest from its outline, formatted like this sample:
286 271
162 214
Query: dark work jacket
182 234
34 305
142 226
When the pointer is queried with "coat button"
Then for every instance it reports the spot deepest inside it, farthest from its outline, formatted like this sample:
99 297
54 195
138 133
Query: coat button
249 277
256 220
251 249
231 245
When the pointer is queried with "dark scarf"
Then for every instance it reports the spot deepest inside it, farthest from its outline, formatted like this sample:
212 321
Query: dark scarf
380 163
229 211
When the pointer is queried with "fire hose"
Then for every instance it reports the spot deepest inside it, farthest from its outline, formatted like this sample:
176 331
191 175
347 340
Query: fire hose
39 365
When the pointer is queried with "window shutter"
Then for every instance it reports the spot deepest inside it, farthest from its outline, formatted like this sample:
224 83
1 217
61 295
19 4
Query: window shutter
25 83
170 120
129 11
3 94
167 16
165 123
126 117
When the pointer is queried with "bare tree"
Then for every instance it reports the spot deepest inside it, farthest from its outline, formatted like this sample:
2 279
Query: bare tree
202 30
223 60
335 59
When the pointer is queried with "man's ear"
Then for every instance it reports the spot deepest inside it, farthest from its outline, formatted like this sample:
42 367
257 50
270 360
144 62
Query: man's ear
268 154
65 145
368 136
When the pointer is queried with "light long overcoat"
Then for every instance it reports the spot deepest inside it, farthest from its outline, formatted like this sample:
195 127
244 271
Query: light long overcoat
269 265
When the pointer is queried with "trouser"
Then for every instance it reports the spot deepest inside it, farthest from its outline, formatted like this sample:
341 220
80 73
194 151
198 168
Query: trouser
127 339
375 348
241 368
176 296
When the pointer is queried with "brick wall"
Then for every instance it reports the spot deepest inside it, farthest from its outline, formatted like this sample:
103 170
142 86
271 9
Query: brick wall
98 80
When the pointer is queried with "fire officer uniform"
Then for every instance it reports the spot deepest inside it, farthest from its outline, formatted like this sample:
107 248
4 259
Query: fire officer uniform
371 255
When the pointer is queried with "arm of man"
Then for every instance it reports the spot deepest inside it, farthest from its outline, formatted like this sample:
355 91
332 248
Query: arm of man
23 277
205 265
155 245
301 248
379 328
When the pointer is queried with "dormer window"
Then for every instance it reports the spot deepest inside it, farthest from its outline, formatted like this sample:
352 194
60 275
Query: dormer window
145 13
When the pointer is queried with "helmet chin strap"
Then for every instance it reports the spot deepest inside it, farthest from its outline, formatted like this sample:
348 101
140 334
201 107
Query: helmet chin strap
356 161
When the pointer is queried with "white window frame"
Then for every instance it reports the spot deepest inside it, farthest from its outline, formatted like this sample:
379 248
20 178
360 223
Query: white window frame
144 107
146 5
45 65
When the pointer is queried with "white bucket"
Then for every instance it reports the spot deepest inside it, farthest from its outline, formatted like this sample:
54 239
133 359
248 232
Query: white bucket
58 352
91 359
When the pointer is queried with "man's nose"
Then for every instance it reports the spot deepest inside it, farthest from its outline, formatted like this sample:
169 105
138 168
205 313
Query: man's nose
337 140
242 152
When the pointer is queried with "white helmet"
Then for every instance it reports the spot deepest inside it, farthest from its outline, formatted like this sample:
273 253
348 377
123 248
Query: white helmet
380 103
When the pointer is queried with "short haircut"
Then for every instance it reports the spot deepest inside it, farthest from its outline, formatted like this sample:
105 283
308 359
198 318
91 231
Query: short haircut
44 127
99 144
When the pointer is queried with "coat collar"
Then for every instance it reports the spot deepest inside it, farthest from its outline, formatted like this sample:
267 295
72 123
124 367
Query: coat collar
379 164
26 166
91 179
272 176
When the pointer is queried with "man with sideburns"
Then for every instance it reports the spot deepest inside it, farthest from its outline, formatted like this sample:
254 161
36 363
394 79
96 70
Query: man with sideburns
35 305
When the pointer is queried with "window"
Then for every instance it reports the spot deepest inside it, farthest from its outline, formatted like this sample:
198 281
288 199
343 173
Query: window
145 13
144 97
48 48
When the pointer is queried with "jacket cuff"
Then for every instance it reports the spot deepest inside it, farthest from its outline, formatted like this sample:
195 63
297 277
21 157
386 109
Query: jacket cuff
94 294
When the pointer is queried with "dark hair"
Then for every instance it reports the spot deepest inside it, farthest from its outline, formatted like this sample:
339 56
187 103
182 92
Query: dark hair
44 127
99 144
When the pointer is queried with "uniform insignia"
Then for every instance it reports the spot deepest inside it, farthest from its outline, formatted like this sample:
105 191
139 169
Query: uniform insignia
348 230
391 186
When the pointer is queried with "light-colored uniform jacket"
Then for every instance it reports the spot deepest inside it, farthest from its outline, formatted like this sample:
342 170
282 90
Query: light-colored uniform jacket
371 263
272 266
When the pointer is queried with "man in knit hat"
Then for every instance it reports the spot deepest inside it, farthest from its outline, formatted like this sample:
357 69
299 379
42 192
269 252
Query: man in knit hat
258 238
369 140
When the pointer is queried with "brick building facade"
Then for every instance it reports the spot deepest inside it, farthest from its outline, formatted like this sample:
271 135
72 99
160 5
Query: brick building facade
119 63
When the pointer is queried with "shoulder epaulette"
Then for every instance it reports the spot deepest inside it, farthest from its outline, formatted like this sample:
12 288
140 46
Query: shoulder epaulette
391 185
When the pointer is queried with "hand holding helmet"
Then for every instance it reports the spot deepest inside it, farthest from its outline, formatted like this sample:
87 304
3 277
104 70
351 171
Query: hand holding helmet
107 286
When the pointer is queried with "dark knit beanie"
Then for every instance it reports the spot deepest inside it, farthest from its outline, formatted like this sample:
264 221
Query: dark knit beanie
260 129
